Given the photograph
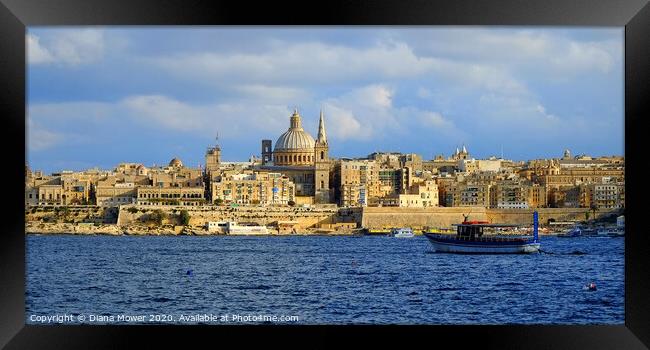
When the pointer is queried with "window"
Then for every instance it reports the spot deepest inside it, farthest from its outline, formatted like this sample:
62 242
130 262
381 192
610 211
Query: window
322 154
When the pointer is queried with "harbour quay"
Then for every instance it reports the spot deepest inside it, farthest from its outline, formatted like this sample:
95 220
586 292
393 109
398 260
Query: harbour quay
135 219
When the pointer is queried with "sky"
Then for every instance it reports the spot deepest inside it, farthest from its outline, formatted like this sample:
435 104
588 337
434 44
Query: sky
98 96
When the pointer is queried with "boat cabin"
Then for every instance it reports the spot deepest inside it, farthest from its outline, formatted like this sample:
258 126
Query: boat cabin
470 231
473 230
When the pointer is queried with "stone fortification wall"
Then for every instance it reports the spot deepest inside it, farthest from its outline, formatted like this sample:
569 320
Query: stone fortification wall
71 214
199 216
417 218
525 216
388 217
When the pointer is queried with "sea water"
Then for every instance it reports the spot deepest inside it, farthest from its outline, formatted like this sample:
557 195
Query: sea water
317 280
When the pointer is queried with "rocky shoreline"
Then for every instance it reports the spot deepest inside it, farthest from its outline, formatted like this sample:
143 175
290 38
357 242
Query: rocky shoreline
140 230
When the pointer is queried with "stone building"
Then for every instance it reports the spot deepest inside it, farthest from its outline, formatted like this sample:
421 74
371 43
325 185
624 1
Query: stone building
510 194
356 181
174 184
257 188
467 194
606 196
119 189
377 180
420 195
156 195
65 188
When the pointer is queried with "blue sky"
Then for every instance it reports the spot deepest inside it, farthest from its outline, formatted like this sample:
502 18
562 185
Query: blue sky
98 96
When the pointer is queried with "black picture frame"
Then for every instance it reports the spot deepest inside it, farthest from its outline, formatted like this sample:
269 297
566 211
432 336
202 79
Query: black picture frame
634 15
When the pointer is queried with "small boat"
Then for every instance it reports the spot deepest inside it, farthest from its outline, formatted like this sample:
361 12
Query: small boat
589 232
404 232
233 228
611 232
377 232
574 232
469 239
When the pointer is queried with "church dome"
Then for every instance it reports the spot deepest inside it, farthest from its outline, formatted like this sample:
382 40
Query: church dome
295 139
176 163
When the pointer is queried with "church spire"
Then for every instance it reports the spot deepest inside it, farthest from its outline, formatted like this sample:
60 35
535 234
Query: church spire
322 136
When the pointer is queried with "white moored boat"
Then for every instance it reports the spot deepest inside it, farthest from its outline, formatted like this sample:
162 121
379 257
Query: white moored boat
611 232
403 232
232 228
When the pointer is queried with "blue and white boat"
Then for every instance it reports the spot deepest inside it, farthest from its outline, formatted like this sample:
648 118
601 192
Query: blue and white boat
469 239
576 231
403 232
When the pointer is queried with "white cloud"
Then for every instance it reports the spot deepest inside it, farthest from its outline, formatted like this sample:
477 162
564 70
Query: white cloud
51 124
230 120
65 112
548 52
36 53
275 94
424 93
369 113
373 89
303 63
343 125
68 47
377 97
163 111
583 56
434 119
39 138
362 113
523 113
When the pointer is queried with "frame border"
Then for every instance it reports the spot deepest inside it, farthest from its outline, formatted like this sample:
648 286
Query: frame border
15 15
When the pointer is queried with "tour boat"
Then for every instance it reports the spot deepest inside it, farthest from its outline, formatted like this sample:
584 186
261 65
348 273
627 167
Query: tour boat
469 239
404 232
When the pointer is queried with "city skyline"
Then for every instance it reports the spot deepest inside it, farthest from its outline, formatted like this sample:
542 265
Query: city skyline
127 95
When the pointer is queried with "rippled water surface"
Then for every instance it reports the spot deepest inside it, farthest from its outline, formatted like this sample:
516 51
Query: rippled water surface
324 280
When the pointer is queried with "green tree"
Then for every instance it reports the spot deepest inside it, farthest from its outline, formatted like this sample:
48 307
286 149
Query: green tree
157 216
62 211
132 210
291 203
185 217
218 201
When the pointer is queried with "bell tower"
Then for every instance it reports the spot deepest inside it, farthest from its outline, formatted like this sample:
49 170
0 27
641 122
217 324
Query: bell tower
322 193
213 157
